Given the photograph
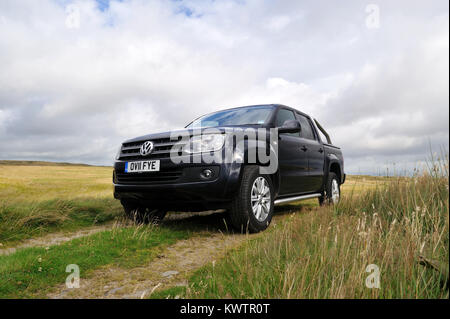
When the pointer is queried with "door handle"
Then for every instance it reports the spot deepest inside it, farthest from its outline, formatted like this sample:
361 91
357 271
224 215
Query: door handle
304 148
320 150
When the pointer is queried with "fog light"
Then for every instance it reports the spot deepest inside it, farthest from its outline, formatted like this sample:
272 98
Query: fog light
207 173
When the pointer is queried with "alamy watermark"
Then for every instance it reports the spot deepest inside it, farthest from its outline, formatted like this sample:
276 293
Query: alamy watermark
72 16
239 145
373 16
73 280
373 280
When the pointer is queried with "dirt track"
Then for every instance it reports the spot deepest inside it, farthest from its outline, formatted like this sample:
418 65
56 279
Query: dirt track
56 238
171 268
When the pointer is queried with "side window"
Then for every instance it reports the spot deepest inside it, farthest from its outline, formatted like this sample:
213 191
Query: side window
307 131
322 136
283 116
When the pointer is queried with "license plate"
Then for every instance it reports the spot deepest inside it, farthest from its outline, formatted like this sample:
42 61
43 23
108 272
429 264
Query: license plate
142 166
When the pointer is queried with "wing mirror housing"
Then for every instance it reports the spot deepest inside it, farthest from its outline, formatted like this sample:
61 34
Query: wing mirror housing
290 126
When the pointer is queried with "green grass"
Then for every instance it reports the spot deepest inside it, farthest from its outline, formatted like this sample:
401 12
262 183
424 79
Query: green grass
324 254
19 221
30 272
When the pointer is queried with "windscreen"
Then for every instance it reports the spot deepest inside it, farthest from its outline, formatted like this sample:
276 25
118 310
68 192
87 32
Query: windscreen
252 115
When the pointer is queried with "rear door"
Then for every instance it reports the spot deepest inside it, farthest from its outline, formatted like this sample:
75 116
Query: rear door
315 152
292 160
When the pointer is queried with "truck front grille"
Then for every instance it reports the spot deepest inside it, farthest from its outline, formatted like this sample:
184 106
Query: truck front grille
163 147
166 176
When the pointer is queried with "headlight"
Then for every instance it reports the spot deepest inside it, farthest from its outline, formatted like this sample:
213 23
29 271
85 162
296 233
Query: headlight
205 143
118 152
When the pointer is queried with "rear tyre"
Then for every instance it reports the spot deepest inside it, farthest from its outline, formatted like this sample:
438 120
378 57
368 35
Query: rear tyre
252 208
332 193
143 215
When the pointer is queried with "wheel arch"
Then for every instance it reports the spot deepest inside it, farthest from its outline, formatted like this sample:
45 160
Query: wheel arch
253 146
335 167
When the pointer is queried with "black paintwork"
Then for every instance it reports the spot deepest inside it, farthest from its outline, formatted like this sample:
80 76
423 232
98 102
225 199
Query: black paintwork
304 165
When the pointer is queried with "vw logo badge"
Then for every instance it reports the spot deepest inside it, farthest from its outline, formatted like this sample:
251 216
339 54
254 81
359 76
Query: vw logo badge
147 148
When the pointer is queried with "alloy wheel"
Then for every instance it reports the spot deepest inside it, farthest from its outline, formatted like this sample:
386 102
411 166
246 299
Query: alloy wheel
260 199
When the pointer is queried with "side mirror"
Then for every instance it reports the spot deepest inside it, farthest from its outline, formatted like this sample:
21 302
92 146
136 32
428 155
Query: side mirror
290 126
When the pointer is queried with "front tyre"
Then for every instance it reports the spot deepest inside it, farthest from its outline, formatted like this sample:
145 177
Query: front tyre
143 215
252 207
332 194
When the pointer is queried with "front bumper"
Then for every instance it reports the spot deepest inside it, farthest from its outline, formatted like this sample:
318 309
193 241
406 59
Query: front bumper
190 191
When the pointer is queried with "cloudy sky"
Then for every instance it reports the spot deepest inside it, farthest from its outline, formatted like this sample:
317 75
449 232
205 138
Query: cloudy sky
79 77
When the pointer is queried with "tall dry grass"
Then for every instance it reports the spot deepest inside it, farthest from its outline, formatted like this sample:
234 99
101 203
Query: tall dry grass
36 199
325 254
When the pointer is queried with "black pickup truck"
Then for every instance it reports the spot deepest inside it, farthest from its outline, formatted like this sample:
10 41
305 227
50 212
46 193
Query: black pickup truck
244 159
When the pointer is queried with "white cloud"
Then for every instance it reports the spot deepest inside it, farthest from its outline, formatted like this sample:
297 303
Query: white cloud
278 23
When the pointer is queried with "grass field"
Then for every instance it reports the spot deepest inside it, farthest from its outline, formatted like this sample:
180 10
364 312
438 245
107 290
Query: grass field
308 252
36 199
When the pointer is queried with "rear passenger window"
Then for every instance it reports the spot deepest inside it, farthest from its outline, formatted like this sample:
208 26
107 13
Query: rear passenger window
322 136
307 131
